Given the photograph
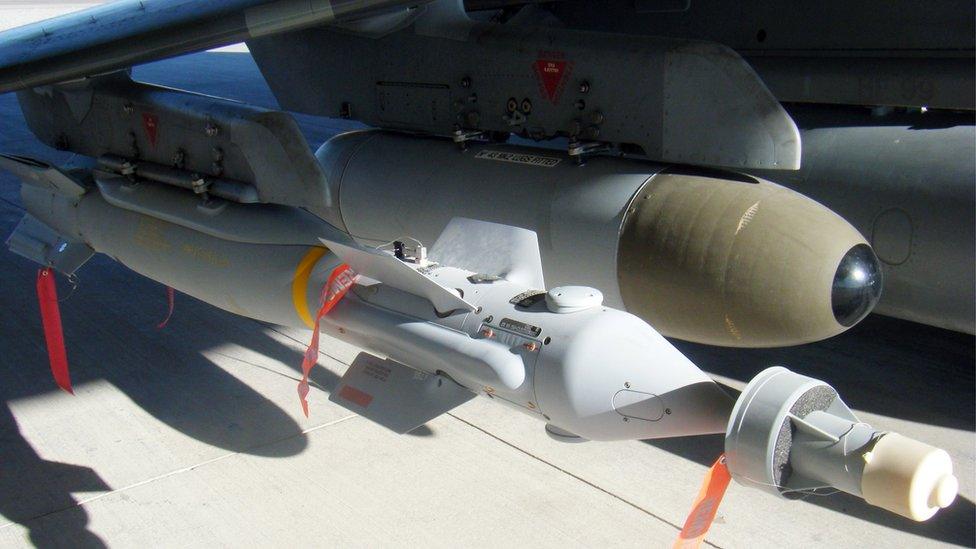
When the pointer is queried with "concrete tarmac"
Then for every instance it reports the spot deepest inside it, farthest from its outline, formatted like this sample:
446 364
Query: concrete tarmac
192 436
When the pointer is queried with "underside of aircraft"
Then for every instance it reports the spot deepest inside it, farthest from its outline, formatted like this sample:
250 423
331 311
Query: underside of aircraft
545 191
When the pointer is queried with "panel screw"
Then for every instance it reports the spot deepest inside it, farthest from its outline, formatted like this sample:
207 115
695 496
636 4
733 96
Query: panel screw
584 86
627 385
134 144
465 82
217 167
179 159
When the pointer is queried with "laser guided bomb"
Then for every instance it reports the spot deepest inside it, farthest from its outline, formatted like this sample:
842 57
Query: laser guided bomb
472 318
702 255
225 202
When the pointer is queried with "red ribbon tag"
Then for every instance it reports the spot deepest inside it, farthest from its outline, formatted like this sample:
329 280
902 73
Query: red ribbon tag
341 279
706 506
171 301
47 298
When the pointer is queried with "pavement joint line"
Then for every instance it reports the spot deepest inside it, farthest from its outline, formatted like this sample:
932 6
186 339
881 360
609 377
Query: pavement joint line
575 476
260 367
176 472
282 334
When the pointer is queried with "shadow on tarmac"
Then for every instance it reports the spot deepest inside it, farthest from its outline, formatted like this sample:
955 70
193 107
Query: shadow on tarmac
31 487
884 366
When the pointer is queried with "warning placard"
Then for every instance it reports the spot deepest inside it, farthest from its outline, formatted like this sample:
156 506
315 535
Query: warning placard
552 70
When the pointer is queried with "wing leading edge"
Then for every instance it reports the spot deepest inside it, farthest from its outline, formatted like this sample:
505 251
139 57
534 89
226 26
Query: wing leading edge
121 34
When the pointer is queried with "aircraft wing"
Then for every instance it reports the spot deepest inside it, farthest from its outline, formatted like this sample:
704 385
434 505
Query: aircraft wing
121 34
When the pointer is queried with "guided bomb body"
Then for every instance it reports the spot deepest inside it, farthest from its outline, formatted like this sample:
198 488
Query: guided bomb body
474 318
702 255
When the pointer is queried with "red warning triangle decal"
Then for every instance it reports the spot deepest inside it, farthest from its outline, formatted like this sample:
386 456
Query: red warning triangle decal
150 124
552 75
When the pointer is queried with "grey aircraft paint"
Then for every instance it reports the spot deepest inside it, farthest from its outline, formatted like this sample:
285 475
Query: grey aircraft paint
893 210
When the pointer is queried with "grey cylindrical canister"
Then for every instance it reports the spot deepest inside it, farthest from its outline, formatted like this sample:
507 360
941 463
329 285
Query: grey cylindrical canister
702 255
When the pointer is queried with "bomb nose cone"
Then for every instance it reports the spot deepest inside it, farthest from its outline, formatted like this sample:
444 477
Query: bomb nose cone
857 285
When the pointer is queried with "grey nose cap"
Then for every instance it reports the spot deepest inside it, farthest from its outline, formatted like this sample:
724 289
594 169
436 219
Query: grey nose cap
857 285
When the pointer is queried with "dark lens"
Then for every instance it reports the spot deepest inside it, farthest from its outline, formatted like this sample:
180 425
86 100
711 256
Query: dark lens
857 285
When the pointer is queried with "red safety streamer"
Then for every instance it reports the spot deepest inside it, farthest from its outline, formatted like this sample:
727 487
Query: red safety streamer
341 279
47 298
706 506
171 299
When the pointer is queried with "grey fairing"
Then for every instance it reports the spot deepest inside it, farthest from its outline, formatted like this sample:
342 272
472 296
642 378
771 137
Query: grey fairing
871 52
675 100
907 184
209 137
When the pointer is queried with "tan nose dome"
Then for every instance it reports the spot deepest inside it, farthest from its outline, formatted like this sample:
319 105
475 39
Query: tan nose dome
731 260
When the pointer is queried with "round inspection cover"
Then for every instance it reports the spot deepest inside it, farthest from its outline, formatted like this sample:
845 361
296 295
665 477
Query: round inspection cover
570 299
